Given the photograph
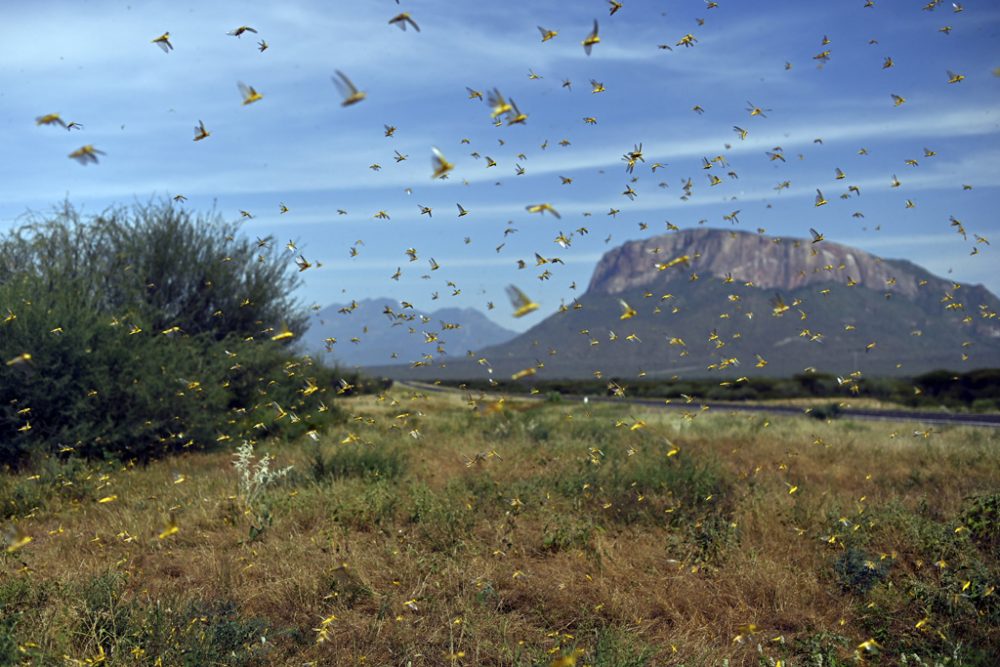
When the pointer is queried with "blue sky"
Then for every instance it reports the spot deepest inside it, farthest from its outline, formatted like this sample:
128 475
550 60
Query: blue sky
96 65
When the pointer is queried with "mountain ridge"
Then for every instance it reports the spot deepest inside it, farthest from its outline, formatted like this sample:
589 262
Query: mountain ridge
732 303
372 331
768 262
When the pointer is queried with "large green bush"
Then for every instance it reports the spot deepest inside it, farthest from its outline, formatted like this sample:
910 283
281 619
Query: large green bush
160 264
149 329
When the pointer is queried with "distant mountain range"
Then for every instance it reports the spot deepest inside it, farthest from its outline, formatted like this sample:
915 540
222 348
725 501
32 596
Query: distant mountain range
719 302
384 331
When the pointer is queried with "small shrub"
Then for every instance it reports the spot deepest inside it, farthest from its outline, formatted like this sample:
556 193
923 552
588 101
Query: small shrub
71 479
359 460
985 405
197 633
253 478
981 515
19 496
826 411
8 643
567 531
644 486
858 571
175 632
823 649
362 504
106 619
487 595
615 648
347 587
441 517
21 600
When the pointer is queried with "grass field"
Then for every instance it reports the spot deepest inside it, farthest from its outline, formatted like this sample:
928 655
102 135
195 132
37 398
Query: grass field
445 530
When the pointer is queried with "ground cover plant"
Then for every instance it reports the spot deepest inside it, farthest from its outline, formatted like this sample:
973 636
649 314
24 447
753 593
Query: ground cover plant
461 529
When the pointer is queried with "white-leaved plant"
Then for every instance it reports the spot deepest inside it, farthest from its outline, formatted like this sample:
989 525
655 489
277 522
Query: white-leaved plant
254 476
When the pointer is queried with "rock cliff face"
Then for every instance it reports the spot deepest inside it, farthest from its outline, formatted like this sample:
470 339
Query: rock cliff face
846 311
767 262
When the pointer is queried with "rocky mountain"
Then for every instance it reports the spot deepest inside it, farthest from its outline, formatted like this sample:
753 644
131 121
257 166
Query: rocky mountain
767 262
384 331
706 302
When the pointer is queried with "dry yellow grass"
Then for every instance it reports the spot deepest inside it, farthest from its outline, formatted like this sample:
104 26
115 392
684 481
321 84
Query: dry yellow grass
641 537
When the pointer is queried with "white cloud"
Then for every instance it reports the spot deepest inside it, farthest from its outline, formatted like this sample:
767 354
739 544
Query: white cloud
298 145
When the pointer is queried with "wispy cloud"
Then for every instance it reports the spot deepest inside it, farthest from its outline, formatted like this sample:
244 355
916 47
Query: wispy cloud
300 147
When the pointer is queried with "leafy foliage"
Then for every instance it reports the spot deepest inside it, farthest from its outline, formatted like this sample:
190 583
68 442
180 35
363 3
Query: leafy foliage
157 265
116 625
858 571
142 331
982 517
358 460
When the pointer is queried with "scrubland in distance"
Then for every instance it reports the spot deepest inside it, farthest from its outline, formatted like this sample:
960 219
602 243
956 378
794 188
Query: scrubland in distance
976 391
617 534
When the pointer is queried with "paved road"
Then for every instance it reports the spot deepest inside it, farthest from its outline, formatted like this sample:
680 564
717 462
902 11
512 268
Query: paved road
922 417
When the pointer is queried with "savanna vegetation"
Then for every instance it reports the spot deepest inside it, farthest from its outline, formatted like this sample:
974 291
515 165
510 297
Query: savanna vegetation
448 529
150 362
975 391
